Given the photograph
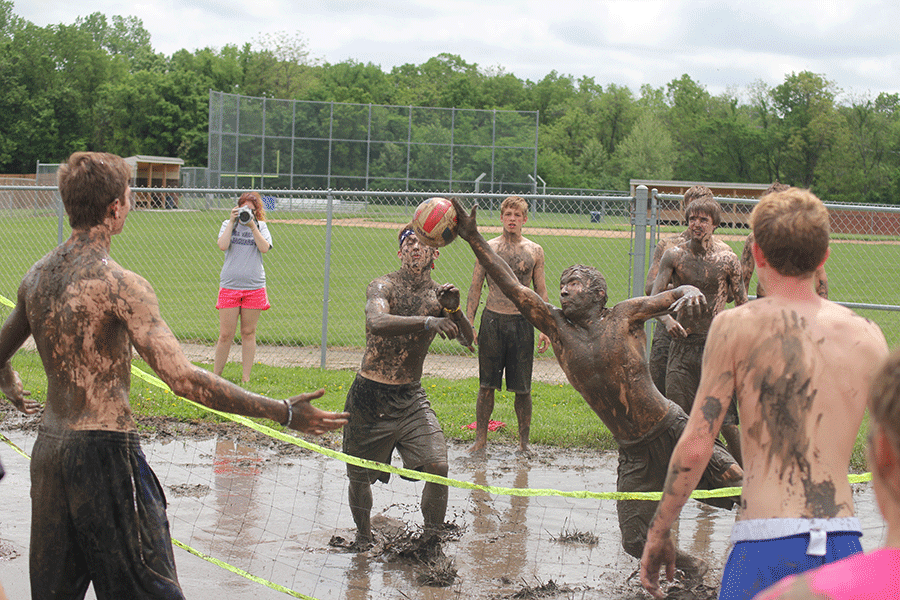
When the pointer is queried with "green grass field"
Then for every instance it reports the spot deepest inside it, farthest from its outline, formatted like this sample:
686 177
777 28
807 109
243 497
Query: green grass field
561 418
176 252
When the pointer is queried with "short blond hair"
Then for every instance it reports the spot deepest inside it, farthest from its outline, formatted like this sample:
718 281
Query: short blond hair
792 229
515 202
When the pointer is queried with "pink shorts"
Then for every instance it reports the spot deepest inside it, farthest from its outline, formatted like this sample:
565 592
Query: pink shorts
243 299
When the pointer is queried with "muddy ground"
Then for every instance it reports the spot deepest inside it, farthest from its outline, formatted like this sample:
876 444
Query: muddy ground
279 512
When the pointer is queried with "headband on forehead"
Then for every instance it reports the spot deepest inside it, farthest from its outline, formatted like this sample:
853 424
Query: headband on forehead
405 234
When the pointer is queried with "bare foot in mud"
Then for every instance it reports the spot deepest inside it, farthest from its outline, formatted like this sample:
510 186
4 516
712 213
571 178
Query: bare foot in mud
357 545
477 451
525 452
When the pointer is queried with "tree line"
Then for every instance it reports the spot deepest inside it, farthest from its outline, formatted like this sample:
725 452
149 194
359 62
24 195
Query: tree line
98 84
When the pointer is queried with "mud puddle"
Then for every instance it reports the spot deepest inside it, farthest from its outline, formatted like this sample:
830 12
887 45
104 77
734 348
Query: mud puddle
280 514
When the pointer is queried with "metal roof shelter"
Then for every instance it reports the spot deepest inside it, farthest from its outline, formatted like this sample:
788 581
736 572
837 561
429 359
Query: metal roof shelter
720 189
155 172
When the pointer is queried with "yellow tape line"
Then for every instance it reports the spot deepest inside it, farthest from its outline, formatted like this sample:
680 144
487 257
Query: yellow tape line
153 380
241 572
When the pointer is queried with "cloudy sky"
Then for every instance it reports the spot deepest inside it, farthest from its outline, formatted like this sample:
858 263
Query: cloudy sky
721 45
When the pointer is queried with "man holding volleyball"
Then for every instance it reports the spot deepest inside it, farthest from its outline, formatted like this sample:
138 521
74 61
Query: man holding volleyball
388 407
98 511
601 351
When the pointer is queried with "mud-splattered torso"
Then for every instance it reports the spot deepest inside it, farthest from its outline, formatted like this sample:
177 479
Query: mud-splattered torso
605 363
801 373
715 271
399 359
522 258
74 305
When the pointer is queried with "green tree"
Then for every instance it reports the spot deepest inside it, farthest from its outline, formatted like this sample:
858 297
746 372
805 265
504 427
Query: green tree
648 152
283 67
352 81
124 38
809 123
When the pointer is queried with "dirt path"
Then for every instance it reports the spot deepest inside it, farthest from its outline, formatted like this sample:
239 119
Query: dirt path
546 370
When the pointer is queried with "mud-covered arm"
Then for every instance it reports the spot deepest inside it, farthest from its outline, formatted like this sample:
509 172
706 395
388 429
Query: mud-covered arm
678 301
538 277
653 271
661 283
13 334
448 297
476 287
380 321
138 308
747 263
529 303
693 450
737 289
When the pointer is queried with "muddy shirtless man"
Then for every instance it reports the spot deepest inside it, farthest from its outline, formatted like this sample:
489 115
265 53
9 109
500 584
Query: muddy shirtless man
506 339
602 352
98 511
716 271
659 347
386 402
748 264
800 368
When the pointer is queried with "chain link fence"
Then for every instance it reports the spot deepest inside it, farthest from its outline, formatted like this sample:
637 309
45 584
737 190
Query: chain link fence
291 144
328 245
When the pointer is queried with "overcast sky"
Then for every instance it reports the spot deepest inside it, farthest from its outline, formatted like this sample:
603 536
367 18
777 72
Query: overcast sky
721 45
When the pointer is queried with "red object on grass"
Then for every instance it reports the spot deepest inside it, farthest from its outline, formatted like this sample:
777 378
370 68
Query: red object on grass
492 425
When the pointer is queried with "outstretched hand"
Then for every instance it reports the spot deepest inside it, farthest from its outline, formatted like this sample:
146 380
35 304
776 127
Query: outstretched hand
13 389
466 227
309 419
691 303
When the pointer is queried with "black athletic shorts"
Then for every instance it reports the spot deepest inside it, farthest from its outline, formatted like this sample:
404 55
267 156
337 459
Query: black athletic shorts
505 342
98 516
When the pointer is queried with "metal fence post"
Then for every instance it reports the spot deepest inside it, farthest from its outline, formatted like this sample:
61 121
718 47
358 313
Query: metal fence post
641 204
325 296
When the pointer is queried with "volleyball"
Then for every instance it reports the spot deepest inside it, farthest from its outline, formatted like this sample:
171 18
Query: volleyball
435 222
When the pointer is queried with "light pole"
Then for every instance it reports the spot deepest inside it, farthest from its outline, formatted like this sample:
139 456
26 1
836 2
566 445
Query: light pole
478 182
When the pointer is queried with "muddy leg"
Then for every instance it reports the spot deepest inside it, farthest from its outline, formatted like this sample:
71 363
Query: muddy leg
523 416
360 494
484 406
434 499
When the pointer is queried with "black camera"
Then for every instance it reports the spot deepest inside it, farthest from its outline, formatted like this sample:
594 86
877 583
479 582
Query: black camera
245 214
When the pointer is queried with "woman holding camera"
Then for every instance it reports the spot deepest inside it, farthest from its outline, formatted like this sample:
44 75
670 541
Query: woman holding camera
244 238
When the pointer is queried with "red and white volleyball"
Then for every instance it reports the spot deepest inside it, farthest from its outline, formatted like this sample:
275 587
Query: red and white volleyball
435 222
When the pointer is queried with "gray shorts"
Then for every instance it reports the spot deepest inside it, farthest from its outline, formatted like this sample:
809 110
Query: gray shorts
643 466
659 356
683 375
505 342
384 417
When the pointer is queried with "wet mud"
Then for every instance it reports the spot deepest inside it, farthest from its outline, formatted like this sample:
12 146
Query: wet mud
280 513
